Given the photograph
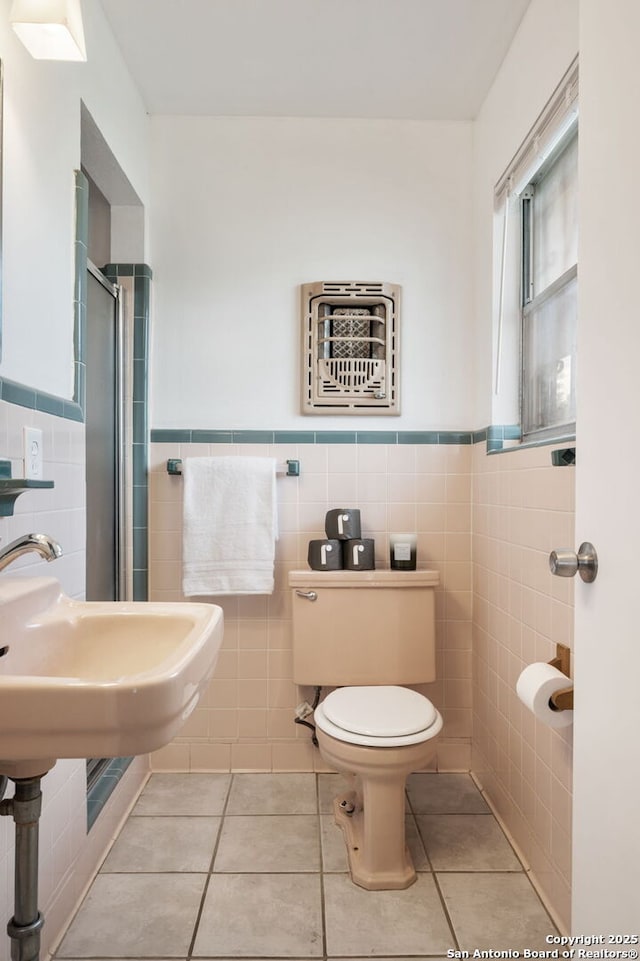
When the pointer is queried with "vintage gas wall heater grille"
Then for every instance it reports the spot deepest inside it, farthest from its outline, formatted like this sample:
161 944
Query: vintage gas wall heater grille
351 348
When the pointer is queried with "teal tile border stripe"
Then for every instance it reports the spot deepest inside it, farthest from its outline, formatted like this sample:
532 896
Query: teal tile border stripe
499 437
186 436
493 435
142 275
104 787
22 396
80 289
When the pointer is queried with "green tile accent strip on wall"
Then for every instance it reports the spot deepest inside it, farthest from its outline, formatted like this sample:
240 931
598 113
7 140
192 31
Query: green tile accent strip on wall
142 275
162 435
22 396
80 289
102 790
496 436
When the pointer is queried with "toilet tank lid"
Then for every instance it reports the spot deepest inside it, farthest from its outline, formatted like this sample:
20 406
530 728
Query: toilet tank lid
385 578
384 711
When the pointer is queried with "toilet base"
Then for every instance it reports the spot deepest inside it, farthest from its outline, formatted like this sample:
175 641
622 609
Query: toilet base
402 875
375 832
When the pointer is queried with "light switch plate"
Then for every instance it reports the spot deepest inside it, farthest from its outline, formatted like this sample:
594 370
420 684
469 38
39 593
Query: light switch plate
33 454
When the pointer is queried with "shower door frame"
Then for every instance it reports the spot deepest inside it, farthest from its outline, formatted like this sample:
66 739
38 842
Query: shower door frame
121 561
96 767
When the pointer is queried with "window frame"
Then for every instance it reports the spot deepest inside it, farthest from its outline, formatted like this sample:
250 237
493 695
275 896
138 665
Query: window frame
552 130
530 301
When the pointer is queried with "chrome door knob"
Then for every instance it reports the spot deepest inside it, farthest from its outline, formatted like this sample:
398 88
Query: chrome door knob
564 562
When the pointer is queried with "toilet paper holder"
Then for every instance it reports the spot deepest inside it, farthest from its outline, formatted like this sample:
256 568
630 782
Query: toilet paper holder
562 700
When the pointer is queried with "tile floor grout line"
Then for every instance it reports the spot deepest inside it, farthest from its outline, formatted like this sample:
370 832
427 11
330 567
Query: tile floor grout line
323 917
209 874
433 875
323 877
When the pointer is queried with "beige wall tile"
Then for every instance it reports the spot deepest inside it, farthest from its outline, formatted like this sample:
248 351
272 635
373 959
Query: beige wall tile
453 756
293 756
173 757
251 757
522 508
223 723
247 711
252 723
210 757
372 459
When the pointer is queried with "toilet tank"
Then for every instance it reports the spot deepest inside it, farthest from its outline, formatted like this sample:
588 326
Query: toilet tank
364 627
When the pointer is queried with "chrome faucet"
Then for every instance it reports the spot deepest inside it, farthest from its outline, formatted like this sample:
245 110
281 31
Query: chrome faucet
40 543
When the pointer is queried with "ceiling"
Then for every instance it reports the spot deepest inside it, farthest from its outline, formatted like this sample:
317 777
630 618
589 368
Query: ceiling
404 59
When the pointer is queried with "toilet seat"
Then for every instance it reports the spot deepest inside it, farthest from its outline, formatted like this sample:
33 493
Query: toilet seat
378 716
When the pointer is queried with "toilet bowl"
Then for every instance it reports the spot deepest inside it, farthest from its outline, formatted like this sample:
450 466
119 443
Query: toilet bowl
370 635
379 735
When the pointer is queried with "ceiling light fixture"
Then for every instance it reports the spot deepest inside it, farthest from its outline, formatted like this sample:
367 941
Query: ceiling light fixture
49 29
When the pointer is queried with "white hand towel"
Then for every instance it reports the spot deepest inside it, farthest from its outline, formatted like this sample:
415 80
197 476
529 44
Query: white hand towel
229 525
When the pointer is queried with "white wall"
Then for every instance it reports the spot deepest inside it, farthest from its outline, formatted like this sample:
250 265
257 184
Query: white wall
541 52
606 779
244 210
41 150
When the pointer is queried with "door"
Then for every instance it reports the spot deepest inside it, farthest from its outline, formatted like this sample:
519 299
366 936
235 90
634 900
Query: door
606 859
103 420
104 476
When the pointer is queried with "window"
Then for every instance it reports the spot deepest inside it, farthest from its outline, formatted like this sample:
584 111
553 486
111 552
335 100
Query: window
536 217
549 288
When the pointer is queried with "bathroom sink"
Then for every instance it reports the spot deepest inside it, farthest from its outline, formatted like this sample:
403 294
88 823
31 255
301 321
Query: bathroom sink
96 679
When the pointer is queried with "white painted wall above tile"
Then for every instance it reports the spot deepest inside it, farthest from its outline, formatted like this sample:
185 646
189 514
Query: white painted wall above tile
245 210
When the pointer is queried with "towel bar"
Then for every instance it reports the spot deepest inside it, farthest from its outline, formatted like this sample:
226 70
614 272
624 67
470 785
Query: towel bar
290 468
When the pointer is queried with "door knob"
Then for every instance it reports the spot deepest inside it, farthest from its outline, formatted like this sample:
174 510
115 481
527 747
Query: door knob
564 562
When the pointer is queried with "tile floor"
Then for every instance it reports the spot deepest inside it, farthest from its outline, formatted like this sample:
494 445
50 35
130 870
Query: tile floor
213 866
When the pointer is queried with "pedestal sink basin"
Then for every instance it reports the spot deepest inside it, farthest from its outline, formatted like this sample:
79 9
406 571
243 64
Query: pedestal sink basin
96 679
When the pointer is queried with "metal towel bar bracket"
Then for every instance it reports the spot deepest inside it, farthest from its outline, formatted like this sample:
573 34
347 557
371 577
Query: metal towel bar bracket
290 468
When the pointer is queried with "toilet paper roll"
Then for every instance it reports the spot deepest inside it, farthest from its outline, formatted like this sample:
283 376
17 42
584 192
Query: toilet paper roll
325 555
535 686
342 523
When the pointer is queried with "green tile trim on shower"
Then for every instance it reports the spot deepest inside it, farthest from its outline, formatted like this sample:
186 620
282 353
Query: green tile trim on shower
142 275
104 787
18 394
23 396
80 250
128 270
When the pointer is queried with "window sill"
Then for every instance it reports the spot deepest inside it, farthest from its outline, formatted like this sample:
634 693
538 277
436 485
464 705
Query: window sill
513 445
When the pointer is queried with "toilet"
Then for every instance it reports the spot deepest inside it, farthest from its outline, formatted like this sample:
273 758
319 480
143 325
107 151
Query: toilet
369 634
